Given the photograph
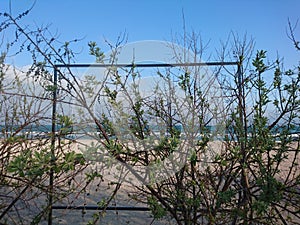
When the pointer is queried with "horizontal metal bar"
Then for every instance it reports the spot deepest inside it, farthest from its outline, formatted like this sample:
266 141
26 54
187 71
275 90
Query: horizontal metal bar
116 208
146 64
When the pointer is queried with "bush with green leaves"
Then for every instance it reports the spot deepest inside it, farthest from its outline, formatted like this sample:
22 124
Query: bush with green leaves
244 172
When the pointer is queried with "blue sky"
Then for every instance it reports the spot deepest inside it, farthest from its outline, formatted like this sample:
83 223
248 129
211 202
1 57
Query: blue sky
94 20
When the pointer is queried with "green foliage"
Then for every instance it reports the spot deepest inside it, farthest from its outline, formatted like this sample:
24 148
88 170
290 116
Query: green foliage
50 88
185 81
238 180
271 192
107 126
156 208
166 146
259 152
258 62
225 197
112 94
37 163
71 159
138 125
89 85
66 124
30 164
96 51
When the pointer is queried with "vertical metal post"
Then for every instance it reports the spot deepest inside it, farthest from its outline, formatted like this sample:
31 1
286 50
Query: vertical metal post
53 139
